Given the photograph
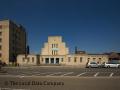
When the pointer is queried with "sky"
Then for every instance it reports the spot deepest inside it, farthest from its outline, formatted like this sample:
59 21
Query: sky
91 25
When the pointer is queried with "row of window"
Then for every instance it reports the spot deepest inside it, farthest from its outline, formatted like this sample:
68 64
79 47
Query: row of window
54 45
54 52
95 58
53 58
75 59
28 59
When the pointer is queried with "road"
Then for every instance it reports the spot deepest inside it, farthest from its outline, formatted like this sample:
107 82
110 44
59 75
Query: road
60 78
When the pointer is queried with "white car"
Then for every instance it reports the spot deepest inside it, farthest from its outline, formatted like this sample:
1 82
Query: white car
93 64
111 64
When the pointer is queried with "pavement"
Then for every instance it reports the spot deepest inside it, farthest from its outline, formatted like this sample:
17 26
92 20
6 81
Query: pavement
60 78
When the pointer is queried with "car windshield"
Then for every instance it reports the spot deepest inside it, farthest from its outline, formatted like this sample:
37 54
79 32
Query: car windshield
93 63
114 62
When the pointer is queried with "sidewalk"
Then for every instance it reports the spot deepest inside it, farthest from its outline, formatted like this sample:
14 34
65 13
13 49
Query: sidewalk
42 66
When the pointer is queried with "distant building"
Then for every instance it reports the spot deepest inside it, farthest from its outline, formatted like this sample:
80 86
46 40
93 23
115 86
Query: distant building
12 41
113 56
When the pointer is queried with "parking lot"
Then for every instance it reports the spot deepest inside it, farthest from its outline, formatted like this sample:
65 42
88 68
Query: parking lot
73 78
61 71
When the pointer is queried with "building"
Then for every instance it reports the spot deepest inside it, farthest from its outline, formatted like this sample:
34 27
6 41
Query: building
12 41
31 59
55 52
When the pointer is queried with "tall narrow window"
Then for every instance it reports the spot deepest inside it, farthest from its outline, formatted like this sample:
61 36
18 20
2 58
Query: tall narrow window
0 26
81 59
0 33
62 60
0 47
75 59
32 59
0 54
69 58
0 39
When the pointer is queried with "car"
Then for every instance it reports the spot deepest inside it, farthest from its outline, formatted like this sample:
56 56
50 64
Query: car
93 65
112 64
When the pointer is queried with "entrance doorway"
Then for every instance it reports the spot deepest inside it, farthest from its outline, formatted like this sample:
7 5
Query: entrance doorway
47 60
57 60
52 60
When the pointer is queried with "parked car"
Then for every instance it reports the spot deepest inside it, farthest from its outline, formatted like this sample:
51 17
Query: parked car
93 65
115 64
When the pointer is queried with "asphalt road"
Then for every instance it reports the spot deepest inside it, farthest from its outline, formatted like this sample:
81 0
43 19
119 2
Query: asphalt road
62 71
60 78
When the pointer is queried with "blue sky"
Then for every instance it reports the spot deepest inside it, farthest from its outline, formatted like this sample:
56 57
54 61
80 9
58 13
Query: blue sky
91 25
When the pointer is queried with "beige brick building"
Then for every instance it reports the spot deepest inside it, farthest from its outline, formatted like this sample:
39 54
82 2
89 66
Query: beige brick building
54 51
31 59
12 41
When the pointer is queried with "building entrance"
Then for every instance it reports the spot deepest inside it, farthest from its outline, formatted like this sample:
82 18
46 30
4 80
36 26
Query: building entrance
57 60
52 60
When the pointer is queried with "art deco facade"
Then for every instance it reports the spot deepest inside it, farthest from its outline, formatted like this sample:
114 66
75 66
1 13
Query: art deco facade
55 52
12 41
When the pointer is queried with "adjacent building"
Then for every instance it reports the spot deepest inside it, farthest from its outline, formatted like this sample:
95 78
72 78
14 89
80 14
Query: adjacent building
31 59
12 41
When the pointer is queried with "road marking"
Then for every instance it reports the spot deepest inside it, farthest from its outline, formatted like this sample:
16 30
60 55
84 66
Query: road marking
96 74
81 74
111 75
67 73
53 74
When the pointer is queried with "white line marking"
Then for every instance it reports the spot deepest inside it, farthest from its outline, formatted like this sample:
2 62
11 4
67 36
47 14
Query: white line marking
54 74
67 73
111 75
81 74
96 74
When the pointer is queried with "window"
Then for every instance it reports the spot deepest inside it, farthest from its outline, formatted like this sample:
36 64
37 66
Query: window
52 46
28 59
0 33
69 59
0 39
0 26
0 47
0 54
88 58
42 59
62 60
75 59
94 59
52 52
81 59
32 59
46 60
23 60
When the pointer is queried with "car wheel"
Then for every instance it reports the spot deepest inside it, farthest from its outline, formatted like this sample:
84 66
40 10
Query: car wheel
108 66
89 66
118 66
